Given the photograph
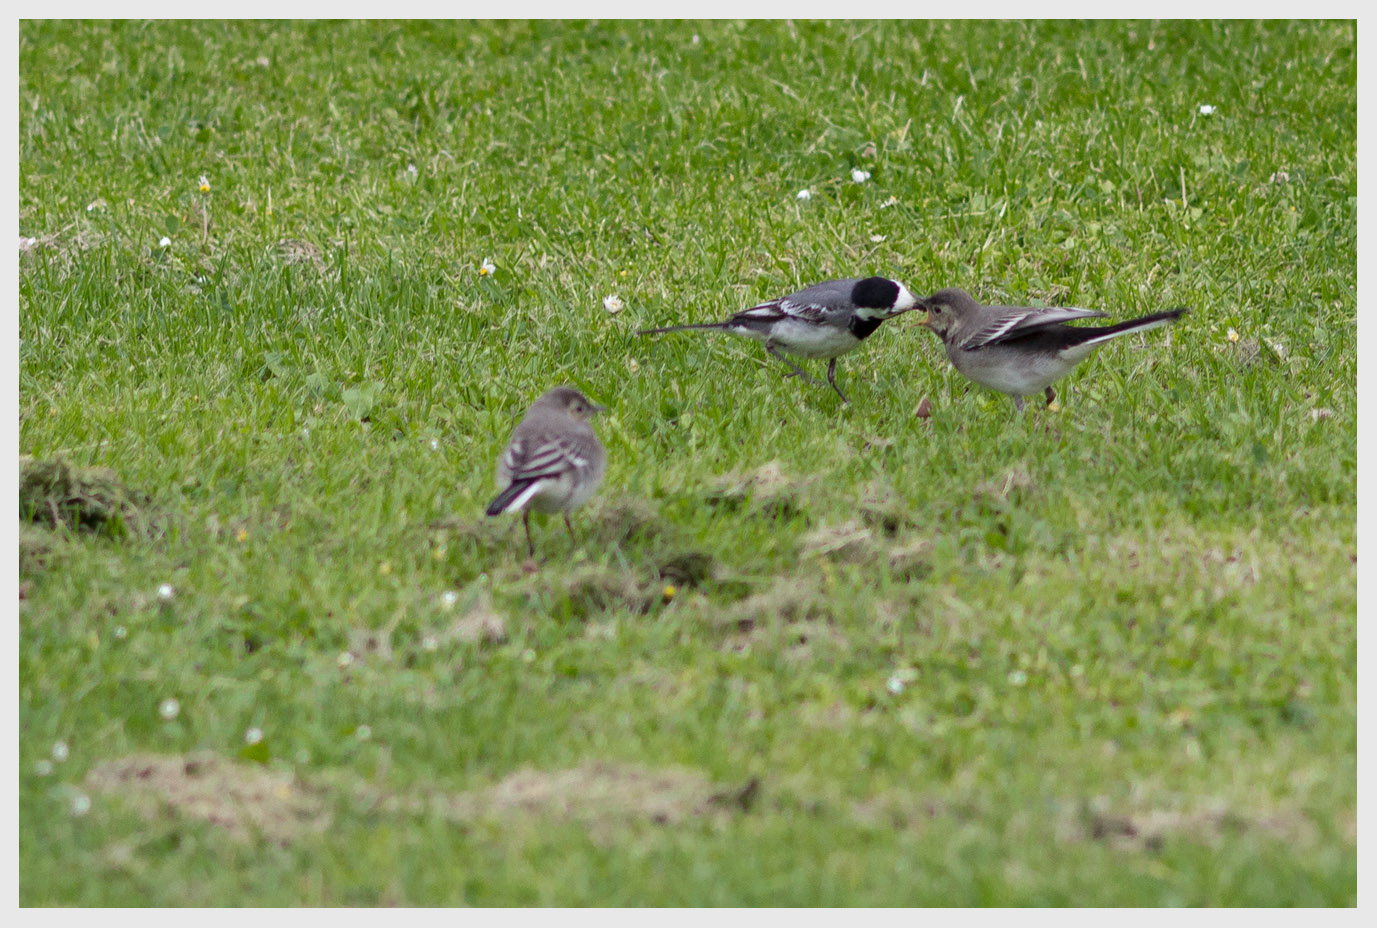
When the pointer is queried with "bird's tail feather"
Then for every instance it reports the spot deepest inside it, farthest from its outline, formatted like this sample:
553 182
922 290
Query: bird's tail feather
1141 324
514 497
683 328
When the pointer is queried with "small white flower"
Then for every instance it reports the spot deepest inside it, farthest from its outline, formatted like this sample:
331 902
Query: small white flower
169 709
877 239
90 207
632 366
345 659
253 735
860 176
892 201
166 592
1278 177
164 242
448 598
487 268
204 185
1233 334
1206 109
60 751
1017 678
43 767
411 169
695 40
363 732
26 244
613 304
81 804
895 685
805 194
435 444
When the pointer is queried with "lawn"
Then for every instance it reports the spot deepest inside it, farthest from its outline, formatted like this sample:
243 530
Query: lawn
272 653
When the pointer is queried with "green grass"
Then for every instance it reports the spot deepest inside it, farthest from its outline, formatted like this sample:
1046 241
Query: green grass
1104 654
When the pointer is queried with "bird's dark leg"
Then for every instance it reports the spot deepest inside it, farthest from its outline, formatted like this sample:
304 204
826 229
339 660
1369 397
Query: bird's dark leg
570 527
530 545
1018 403
832 379
797 371
1051 395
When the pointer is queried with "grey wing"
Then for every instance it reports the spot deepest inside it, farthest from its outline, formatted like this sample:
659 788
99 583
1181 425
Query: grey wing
531 457
811 304
1007 322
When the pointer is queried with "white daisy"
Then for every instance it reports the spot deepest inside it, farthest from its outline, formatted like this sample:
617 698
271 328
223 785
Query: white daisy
612 303
860 176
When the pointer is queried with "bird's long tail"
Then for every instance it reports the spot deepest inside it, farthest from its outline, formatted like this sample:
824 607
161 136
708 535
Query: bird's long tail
514 497
683 328
1100 334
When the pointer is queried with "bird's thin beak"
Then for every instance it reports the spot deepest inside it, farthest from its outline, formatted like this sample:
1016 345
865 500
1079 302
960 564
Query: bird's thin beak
926 320
594 410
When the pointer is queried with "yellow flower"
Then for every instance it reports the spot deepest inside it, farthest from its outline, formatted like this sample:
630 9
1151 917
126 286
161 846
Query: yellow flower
669 592
487 268
243 535
205 185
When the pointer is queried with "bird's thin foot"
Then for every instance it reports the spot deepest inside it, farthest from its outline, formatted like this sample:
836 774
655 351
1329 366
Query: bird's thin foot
832 381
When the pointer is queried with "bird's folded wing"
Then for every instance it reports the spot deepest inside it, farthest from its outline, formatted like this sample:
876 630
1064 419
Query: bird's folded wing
775 310
1008 322
545 457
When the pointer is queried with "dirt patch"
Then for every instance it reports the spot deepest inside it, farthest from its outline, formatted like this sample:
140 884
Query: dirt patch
482 624
766 491
685 568
910 561
602 796
850 542
298 251
599 792
791 599
1012 486
625 519
595 588
1149 829
35 549
58 495
884 511
249 800
246 800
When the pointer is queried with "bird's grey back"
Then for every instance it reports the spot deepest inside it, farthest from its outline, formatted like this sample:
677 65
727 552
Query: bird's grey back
828 293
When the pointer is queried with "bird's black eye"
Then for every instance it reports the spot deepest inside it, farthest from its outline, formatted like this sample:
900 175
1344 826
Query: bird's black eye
937 310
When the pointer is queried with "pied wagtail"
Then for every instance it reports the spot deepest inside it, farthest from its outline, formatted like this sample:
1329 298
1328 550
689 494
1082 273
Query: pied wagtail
553 461
1021 350
822 321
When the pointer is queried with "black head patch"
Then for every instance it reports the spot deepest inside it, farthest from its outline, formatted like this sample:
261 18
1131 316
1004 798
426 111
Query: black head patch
875 293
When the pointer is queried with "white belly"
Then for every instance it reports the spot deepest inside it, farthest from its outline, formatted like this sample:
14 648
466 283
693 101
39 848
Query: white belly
1012 372
805 340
